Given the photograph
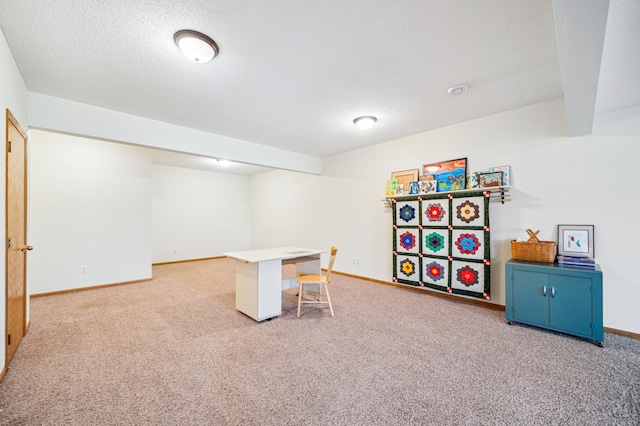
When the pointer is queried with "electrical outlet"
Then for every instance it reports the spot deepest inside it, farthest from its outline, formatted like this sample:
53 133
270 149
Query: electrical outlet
356 261
175 250
84 269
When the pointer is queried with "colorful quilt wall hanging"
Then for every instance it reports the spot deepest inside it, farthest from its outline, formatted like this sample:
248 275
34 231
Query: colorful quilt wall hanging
443 242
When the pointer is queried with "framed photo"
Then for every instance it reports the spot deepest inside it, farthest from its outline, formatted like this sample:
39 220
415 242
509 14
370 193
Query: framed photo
428 186
391 188
451 175
472 180
575 240
489 179
404 178
506 173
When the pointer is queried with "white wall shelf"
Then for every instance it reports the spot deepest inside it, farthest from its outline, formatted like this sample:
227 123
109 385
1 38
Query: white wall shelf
498 194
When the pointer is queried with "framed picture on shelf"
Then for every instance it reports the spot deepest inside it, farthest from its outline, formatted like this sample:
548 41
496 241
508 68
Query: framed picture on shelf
400 189
575 240
489 179
506 174
472 180
404 178
451 175
414 188
428 186
391 188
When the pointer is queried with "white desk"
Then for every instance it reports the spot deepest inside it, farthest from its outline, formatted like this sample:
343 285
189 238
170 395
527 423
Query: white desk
259 282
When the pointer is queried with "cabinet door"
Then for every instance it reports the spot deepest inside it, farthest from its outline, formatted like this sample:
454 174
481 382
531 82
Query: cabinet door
530 297
571 305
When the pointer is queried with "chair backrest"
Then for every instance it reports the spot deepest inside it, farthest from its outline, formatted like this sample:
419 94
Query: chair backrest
333 252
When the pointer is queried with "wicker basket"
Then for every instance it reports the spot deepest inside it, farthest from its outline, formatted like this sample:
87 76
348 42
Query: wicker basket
534 250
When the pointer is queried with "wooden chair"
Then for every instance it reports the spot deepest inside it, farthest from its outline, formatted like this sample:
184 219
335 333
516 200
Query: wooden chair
322 295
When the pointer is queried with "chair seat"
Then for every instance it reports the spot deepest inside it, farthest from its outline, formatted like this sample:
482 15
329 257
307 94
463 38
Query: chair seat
310 279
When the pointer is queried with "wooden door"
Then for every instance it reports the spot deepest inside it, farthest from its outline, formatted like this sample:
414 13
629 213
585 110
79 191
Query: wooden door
16 244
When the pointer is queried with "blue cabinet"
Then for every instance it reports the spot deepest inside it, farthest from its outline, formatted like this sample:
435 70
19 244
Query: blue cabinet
556 297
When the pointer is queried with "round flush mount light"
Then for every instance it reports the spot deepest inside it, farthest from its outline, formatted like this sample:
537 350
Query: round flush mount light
365 122
196 46
458 90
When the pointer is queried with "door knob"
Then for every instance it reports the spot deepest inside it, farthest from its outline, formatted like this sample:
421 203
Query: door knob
23 248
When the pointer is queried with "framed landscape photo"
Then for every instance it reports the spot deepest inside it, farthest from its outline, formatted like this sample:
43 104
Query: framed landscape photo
404 178
489 179
451 175
575 240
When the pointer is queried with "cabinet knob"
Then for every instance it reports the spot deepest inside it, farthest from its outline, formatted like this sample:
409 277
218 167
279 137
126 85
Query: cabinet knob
544 290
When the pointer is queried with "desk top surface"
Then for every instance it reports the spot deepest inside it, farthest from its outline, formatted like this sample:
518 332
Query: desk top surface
254 256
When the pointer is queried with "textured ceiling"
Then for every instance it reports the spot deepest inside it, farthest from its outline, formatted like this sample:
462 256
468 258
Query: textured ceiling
293 74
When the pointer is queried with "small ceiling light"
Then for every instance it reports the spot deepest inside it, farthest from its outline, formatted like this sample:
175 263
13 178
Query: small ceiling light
196 46
458 90
365 122
224 163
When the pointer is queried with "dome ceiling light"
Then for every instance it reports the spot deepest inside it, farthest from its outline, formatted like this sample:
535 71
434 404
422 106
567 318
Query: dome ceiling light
365 122
196 46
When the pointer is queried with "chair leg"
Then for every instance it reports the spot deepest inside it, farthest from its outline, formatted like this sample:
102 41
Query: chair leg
300 291
326 290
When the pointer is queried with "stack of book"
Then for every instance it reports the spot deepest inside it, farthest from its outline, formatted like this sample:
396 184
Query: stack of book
577 261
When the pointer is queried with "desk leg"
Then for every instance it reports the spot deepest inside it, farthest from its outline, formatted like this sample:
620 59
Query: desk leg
258 292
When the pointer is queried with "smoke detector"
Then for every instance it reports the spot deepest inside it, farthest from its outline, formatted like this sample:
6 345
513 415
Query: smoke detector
458 90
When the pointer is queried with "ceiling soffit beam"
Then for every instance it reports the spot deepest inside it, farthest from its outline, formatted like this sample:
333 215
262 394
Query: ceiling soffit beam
580 30
74 118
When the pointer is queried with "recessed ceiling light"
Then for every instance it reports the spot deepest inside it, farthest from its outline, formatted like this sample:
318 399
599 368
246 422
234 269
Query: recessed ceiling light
459 89
196 46
365 122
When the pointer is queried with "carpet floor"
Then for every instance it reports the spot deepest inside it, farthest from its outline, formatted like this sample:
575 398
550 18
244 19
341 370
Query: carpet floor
174 351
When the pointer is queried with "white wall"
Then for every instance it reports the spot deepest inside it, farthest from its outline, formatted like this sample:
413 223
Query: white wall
103 205
556 179
198 214
90 206
13 95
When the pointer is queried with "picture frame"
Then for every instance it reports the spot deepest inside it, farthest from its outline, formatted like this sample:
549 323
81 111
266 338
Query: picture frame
391 188
472 180
489 179
428 186
414 188
404 178
506 173
451 174
576 240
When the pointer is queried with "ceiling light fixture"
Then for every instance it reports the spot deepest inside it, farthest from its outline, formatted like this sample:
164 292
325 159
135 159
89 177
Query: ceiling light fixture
224 163
196 46
458 90
365 122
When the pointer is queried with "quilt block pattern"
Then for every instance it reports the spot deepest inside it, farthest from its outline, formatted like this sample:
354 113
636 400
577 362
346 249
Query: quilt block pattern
443 242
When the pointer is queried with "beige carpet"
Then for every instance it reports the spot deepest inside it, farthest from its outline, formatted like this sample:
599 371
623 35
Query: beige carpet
174 351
